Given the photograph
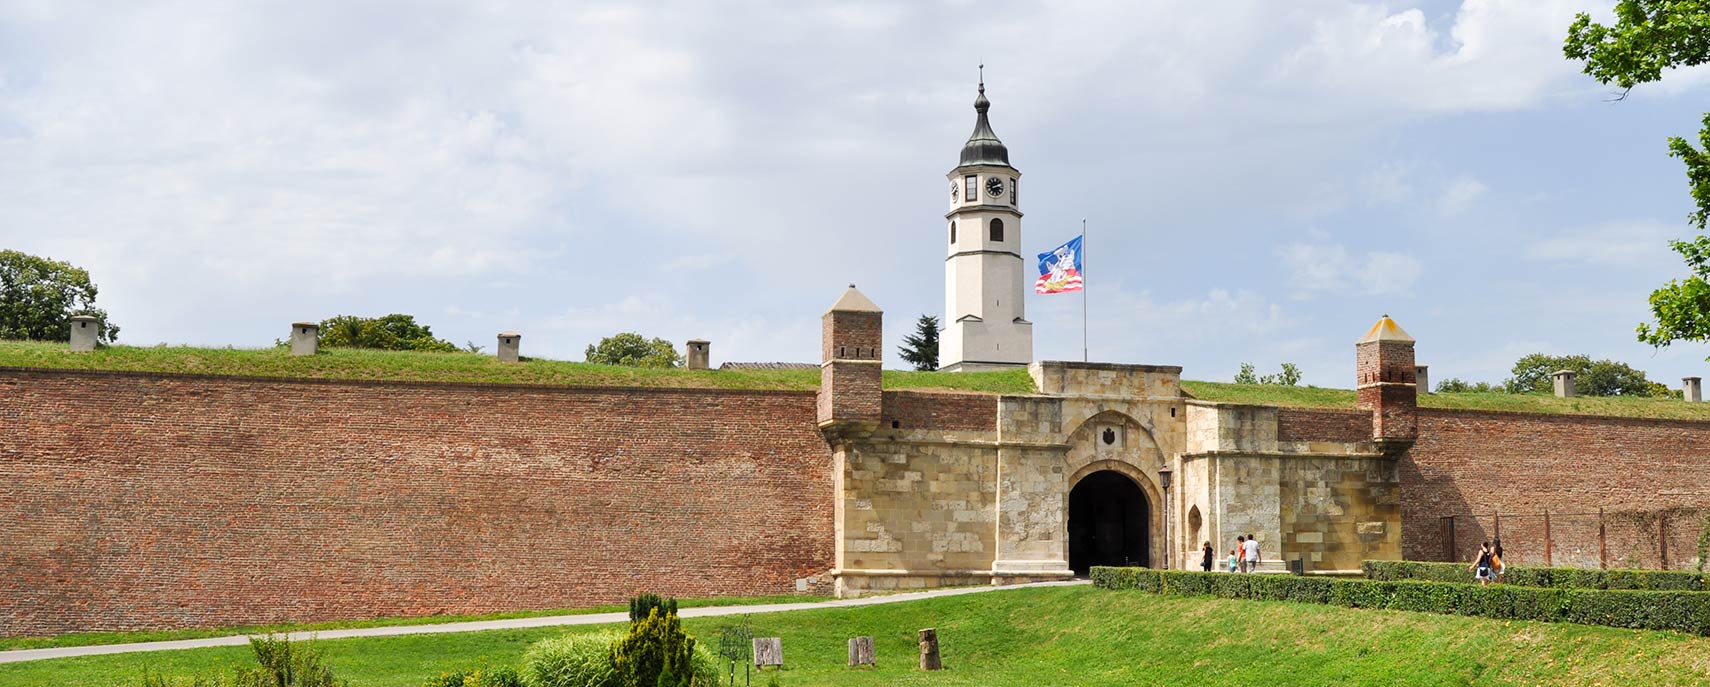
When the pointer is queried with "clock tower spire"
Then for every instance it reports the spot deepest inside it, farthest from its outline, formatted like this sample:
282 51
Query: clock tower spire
984 285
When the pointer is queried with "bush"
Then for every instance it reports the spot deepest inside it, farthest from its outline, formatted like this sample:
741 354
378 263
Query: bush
282 663
642 604
477 677
1565 578
1677 610
577 660
656 652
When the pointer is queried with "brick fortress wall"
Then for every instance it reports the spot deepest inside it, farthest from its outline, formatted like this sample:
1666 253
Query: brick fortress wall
1473 465
145 501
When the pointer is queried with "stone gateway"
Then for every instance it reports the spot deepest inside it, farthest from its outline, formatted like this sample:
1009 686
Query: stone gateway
136 500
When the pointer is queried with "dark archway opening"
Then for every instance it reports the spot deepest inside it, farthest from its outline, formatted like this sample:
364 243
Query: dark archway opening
1108 517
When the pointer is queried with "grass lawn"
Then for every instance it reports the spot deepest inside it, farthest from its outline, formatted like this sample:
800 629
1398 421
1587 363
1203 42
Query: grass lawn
469 367
1314 397
1064 636
94 638
345 363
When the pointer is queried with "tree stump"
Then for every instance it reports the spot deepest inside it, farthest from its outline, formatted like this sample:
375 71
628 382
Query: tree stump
929 650
768 651
861 651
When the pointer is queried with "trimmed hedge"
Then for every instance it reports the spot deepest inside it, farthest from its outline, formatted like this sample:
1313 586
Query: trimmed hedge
1681 611
1563 578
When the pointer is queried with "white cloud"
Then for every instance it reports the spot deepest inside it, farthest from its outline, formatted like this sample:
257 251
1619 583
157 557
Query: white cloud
1460 194
1322 266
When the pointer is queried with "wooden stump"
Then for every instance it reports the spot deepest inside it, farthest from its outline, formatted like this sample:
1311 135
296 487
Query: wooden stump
861 651
768 651
929 650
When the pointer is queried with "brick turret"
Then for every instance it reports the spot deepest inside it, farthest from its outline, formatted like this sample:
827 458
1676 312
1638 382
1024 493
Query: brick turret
1387 383
852 343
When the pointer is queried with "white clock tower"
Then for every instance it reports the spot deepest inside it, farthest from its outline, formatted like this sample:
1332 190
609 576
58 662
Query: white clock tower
984 282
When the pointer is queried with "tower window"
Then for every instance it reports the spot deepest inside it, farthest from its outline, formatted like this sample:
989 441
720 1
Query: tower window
972 191
952 232
1014 193
997 229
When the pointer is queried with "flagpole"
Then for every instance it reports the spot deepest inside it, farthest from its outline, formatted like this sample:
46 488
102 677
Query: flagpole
1084 357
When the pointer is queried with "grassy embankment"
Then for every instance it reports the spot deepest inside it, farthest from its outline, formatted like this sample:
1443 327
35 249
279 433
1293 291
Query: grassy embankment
97 638
467 367
1062 636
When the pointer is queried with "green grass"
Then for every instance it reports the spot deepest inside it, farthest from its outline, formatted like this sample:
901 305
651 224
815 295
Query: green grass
1314 397
469 367
94 638
1061 636
462 367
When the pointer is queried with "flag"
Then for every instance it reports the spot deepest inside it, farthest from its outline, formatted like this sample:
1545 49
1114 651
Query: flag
1060 269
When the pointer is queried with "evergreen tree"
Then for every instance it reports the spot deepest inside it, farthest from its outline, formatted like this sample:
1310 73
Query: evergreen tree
920 349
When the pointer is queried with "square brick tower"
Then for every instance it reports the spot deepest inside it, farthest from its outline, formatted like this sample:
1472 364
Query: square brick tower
850 389
1387 383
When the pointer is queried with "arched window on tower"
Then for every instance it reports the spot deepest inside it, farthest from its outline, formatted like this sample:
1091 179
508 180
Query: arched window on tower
952 233
997 229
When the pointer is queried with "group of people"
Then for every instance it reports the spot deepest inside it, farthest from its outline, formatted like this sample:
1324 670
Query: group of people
1243 558
1487 566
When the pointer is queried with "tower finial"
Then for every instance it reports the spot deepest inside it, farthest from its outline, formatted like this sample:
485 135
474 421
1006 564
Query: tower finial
982 76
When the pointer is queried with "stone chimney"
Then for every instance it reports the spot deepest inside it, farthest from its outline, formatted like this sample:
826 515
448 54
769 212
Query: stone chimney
510 346
699 355
1564 383
1692 389
85 330
1422 377
850 388
1386 382
305 338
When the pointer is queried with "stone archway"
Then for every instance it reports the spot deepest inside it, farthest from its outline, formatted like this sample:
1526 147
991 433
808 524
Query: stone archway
1109 522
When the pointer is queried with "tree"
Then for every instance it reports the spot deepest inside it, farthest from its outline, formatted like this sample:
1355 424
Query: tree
1648 37
1533 374
1289 376
633 350
920 349
1456 385
393 332
39 296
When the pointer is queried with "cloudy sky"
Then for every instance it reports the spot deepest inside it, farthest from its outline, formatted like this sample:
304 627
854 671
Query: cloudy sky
1262 179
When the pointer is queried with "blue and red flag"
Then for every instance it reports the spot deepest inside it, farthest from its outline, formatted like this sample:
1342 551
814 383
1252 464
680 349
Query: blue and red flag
1060 269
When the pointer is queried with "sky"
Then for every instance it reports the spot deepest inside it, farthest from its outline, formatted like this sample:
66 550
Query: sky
1261 180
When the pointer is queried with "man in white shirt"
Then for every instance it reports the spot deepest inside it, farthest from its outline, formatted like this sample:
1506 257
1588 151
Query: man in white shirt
1250 554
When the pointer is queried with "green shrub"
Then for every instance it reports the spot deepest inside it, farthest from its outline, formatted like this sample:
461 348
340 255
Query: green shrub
1676 610
576 660
281 663
655 653
477 677
1565 578
641 604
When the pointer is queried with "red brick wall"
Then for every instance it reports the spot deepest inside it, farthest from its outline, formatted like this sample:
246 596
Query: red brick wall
940 411
1475 464
1305 424
142 501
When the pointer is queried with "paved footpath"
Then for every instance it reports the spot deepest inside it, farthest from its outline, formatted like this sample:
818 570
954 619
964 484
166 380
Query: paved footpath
509 624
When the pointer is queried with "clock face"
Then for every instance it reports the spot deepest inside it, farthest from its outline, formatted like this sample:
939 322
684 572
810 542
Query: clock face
994 187
955 191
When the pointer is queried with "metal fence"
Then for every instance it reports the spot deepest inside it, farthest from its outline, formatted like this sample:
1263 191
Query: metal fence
1642 539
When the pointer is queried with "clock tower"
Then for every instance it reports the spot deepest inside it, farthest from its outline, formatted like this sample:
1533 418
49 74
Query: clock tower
984 282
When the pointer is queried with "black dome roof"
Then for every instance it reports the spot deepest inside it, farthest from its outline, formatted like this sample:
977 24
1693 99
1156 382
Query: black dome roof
983 146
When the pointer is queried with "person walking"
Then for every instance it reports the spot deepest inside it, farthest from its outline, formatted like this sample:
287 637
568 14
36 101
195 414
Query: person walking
1481 565
1241 553
1234 561
1496 565
1252 555
1206 564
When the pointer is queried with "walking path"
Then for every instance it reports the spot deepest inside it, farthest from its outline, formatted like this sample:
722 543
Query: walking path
508 624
